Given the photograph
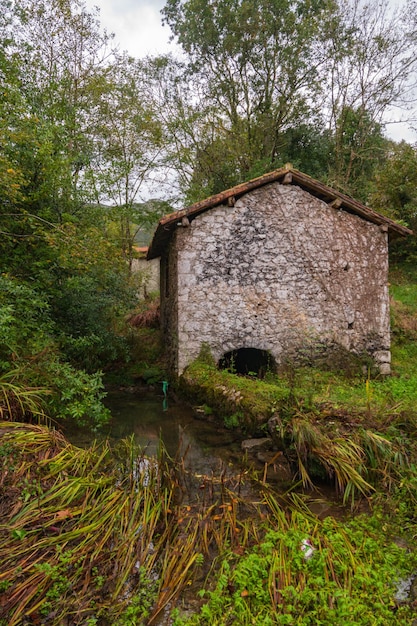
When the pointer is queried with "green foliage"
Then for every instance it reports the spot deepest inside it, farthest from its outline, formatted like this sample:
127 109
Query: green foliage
35 380
349 578
241 401
152 375
205 355
63 301
76 395
234 421
146 351
404 500
359 147
57 126
18 401
395 184
141 603
25 324
128 140
251 64
309 148
395 195
84 312
275 81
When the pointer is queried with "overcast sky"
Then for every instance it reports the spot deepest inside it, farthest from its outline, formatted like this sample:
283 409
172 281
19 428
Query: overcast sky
135 23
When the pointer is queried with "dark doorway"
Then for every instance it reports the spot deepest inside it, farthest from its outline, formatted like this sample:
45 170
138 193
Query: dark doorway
248 361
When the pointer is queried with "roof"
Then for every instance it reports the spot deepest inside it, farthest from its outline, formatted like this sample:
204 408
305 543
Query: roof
285 175
141 251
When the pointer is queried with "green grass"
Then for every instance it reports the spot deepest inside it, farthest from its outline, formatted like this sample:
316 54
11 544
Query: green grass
406 294
359 429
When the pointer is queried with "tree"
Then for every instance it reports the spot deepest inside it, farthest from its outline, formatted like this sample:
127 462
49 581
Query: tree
256 67
128 142
51 57
263 73
309 147
54 62
187 125
395 186
371 63
395 194
359 147
62 54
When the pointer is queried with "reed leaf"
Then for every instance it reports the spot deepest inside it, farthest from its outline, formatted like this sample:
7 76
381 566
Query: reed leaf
19 402
85 514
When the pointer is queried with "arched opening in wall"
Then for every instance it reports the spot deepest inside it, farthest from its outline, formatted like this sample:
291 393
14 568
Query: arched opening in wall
248 361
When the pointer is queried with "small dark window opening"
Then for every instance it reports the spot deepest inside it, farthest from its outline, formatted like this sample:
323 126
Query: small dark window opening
248 362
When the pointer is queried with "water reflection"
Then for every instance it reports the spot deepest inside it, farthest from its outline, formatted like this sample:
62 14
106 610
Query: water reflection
203 447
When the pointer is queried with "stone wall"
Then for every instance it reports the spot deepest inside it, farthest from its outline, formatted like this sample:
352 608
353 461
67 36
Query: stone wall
149 274
279 271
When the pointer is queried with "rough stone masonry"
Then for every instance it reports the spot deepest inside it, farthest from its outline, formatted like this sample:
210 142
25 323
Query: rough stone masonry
278 271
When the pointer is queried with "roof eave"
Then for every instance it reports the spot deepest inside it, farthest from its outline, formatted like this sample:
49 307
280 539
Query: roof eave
287 175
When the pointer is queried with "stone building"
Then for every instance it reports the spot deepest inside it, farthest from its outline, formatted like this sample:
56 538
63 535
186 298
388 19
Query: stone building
274 268
148 272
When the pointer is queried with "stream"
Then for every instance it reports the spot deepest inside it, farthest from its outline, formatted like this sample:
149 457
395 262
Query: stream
153 420
206 451
205 448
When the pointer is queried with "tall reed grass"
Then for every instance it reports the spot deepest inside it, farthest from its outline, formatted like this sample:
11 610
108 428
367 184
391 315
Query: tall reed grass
356 461
19 402
99 534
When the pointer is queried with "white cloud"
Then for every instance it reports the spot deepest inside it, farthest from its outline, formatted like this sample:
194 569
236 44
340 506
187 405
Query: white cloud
136 24
400 132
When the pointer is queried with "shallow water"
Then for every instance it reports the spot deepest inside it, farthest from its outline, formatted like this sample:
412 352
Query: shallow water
186 435
149 419
204 448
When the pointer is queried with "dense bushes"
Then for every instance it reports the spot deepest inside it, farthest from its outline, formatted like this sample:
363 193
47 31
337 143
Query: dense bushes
31 358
